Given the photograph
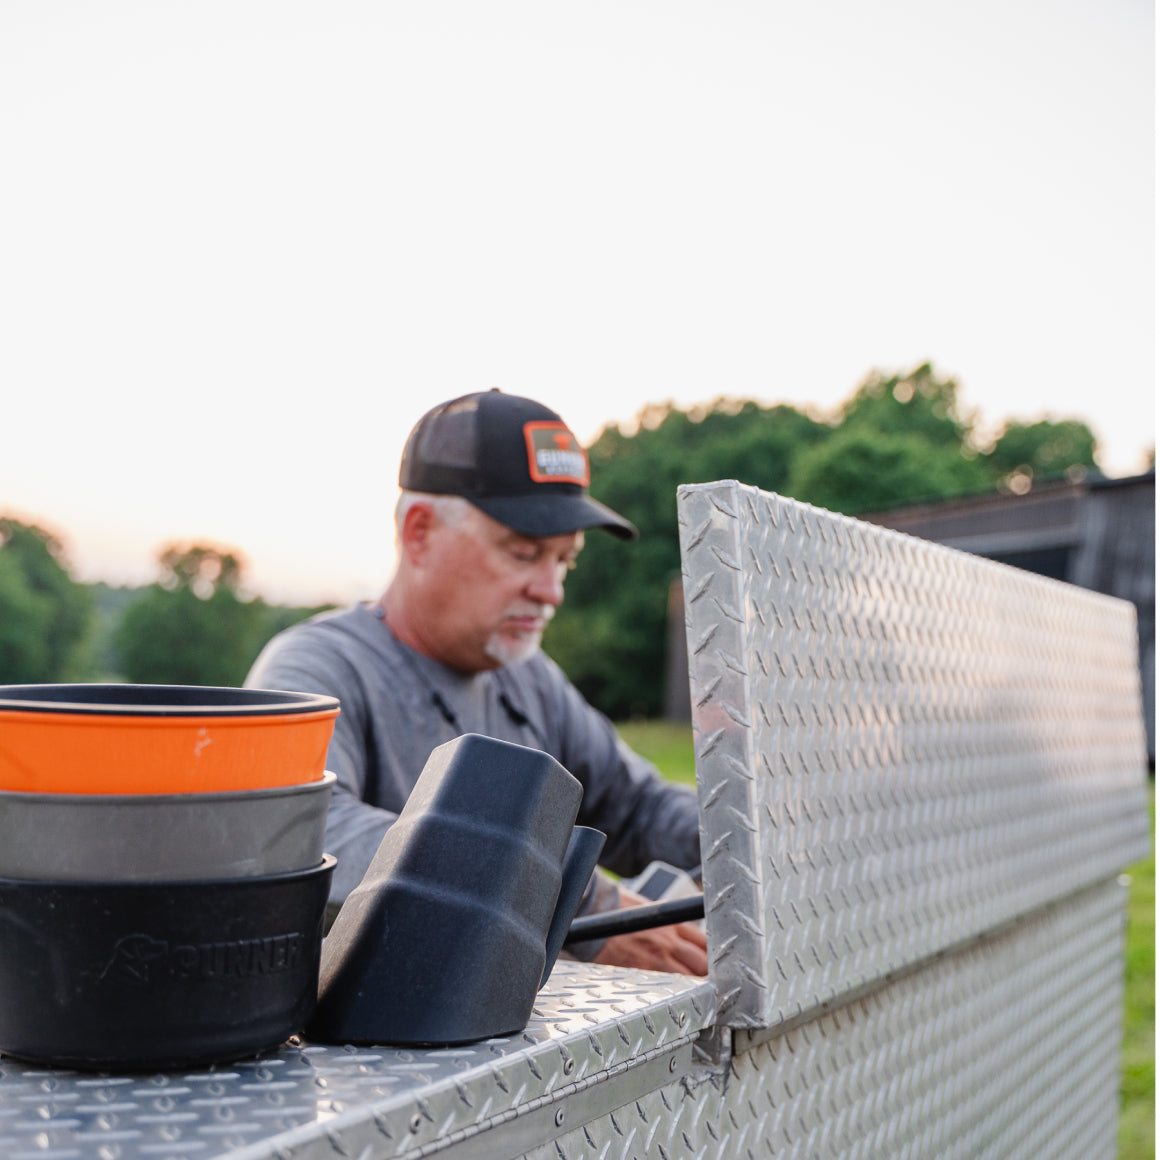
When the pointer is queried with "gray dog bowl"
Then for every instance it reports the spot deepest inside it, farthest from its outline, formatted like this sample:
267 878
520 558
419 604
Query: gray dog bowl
163 837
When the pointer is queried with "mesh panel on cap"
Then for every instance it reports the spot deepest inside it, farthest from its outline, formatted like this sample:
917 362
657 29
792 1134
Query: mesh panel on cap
451 442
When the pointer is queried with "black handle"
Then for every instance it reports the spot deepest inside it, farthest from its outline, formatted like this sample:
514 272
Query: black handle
609 923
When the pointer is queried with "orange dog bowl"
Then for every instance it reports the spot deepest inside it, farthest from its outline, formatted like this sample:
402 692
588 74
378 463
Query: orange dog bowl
118 739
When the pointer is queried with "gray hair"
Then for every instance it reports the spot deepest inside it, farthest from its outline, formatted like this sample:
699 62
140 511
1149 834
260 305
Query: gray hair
450 510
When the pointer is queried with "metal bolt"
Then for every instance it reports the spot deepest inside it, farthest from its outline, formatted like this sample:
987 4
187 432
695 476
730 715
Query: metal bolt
416 1122
559 1117
673 1063
569 1066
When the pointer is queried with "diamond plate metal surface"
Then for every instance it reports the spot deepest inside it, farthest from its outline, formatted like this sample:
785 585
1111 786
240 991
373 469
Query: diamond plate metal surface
1008 1050
593 1028
899 746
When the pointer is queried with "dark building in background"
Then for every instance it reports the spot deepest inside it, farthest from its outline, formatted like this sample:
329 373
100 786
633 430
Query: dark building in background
1099 534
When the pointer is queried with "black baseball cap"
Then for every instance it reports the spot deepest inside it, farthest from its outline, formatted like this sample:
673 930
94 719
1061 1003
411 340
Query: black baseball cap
511 457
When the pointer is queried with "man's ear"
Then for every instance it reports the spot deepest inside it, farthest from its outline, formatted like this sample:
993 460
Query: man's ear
419 524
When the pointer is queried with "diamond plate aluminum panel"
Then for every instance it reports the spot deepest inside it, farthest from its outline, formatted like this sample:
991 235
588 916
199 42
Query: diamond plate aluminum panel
594 1031
1008 1050
899 746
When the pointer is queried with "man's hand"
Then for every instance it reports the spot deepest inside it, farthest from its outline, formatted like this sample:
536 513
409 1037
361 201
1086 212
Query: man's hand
678 948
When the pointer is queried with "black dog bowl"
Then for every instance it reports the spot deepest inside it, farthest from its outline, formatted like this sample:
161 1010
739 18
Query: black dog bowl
136 976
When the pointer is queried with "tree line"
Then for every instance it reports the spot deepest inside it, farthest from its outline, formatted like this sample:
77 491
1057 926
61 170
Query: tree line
899 438
192 626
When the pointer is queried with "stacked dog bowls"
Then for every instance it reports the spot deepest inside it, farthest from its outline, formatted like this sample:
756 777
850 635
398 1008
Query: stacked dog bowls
162 878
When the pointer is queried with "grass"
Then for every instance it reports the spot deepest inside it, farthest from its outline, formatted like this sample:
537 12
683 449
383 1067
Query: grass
667 745
670 748
1137 1138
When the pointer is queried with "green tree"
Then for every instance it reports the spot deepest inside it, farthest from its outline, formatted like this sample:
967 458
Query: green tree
861 470
918 402
1046 448
900 437
45 615
192 627
609 635
109 604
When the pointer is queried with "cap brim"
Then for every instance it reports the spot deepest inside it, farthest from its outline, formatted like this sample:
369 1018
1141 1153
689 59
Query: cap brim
554 515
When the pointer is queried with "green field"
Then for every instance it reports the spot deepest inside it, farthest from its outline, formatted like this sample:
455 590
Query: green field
1138 1075
670 748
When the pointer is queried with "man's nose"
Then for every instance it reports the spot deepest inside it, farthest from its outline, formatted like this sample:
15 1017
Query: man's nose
546 585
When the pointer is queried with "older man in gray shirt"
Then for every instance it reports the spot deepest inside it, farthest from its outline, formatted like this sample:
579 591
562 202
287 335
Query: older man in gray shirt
492 516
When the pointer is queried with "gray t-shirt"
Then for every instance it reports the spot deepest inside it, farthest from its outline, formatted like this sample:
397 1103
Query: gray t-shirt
397 705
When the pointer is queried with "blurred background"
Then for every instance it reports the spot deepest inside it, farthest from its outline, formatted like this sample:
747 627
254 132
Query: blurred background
867 256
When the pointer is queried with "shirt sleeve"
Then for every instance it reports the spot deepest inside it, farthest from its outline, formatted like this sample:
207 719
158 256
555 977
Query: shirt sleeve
310 659
644 817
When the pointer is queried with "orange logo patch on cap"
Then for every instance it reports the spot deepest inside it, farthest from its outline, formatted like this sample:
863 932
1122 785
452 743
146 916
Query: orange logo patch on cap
554 456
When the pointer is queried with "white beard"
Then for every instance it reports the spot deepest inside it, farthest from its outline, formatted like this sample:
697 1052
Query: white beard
510 650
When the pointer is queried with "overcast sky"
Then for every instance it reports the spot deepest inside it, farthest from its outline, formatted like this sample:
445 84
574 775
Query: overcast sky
246 244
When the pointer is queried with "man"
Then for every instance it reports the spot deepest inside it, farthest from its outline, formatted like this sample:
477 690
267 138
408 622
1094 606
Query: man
493 512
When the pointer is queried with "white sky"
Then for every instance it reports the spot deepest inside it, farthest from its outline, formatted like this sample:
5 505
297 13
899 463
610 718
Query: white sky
244 245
